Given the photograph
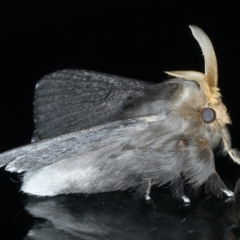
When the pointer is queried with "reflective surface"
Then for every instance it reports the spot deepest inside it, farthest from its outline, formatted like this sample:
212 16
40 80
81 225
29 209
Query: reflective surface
119 215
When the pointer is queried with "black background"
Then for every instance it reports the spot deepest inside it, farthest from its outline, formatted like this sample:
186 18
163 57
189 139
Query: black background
137 39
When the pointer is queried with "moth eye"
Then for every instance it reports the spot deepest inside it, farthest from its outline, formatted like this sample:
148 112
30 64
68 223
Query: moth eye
208 115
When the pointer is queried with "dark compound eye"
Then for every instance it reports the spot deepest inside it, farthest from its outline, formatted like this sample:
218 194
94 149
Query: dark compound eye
208 115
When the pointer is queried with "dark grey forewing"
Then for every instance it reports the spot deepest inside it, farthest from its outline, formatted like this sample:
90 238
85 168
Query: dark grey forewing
72 100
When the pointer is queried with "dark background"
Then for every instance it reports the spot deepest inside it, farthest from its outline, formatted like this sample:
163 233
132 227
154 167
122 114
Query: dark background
137 39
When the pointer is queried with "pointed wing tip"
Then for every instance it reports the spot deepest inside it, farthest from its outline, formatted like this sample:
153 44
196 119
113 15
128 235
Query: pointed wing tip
4 160
10 168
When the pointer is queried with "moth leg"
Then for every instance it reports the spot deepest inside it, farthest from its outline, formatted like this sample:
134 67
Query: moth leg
226 140
177 190
149 184
199 168
216 186
143 190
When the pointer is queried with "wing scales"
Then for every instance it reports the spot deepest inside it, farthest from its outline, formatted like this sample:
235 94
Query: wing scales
72 100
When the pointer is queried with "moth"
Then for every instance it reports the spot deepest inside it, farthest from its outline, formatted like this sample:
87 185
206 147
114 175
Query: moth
99 133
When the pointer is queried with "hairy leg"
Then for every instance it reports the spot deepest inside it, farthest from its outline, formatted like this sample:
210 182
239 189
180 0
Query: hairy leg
216 186
177 190
144 189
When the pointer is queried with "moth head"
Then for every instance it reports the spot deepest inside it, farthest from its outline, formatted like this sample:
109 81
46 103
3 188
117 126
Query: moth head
208 81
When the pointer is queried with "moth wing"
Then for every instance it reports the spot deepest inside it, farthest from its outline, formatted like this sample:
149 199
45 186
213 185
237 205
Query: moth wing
72 100
101 140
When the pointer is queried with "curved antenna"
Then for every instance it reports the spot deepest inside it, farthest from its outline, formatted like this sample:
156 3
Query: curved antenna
208 81
211 71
